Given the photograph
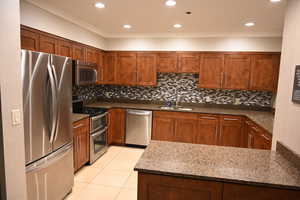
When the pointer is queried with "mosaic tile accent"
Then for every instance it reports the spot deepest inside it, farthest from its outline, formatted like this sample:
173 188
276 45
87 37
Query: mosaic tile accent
172 86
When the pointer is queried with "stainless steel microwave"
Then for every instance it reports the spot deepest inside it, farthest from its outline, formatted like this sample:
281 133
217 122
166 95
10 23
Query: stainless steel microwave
84 73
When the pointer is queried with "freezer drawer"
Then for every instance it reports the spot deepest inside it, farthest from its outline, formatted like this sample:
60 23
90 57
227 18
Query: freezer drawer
52 177
138 127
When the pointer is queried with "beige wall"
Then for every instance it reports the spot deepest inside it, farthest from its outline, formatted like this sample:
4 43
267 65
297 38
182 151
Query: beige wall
40 19
196 44
11 97
287 120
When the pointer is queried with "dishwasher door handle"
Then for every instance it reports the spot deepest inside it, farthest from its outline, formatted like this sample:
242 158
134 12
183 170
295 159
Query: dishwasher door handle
137 112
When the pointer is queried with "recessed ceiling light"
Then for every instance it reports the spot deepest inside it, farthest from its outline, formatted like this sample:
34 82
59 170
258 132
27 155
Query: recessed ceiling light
170 3
127 26
249 24
177 25
275 1
99 5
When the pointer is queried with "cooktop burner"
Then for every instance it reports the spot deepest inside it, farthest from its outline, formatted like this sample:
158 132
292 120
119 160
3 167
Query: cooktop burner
92 111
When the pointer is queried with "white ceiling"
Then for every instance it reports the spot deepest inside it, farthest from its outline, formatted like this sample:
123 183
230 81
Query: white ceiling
151 18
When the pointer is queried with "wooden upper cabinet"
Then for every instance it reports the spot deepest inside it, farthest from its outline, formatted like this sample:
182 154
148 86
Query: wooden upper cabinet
116 127
188 62
65 48
100 66
78 52
211 71
109 68
167 62
208 129
264 72
127 68
48 44
146 69
237 71
29 39
91 55
231 131
186 127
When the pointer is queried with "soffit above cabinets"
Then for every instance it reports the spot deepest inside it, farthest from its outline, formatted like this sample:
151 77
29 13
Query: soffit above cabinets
151 18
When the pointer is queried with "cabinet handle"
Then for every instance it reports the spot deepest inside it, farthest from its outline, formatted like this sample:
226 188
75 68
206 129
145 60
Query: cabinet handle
250 141
266 138
78 126
255 129
208 118
231 119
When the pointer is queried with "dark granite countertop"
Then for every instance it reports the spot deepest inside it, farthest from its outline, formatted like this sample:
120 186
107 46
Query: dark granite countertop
226 164
263 118
76 117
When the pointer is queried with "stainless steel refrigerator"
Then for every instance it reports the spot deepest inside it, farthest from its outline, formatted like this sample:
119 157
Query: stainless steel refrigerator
47 104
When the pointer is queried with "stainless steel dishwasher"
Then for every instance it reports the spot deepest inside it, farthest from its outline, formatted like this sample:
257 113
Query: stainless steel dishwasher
138 127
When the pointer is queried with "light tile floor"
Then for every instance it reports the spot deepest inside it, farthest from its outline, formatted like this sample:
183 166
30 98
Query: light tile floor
109 178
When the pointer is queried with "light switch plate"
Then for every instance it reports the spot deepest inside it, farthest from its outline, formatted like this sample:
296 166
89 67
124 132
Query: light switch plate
16 117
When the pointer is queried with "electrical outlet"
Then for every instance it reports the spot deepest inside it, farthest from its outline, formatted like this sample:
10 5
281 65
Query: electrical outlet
16 117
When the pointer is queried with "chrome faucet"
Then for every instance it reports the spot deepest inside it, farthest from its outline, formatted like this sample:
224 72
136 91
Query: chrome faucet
178 101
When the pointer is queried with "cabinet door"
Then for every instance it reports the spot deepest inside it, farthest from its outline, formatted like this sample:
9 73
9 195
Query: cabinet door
231 131
109 68
90 55
65 48
263 141
188 62
48 44
249 135
186 127
167 62
163 127
29 39
126 69
116 129
237 72
78 52
264 72
100 66
81 143
208 130
146 69
211 71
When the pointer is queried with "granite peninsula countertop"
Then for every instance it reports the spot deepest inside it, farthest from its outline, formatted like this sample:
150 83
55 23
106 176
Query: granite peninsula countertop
226 164
76 117
263 118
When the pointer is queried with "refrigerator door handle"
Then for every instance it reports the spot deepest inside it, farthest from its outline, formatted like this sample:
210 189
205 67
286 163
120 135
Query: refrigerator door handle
47 161
54 109
56 120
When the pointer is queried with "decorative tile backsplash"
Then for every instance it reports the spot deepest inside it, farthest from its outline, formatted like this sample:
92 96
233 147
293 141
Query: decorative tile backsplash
172 86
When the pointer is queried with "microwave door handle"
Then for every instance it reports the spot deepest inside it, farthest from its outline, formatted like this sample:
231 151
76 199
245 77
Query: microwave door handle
96 75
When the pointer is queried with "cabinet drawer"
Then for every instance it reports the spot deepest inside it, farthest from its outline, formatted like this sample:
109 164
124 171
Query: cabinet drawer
84 123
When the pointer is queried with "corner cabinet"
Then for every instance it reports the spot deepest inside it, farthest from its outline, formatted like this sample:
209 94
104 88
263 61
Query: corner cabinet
81 143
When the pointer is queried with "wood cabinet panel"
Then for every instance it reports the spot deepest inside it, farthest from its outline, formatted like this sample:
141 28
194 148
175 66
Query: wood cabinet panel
109 68
100 66
90 55
163 128
48 44
78 52
167 62
65 48
244 192
208 129
146 69
29 39
81 143
188 62
127 69
116 128
211 71
158 187
231 131
186 127
264 72
237 72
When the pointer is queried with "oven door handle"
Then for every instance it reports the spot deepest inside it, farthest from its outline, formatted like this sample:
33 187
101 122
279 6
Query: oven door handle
100 132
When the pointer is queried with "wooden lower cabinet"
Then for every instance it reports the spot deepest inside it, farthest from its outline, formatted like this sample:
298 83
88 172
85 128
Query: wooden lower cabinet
244 192
163 128
157 187
231 131
186 127
160 187
208 129
116 126
81 143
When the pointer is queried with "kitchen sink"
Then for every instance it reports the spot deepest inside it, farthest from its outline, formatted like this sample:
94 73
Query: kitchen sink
175 108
